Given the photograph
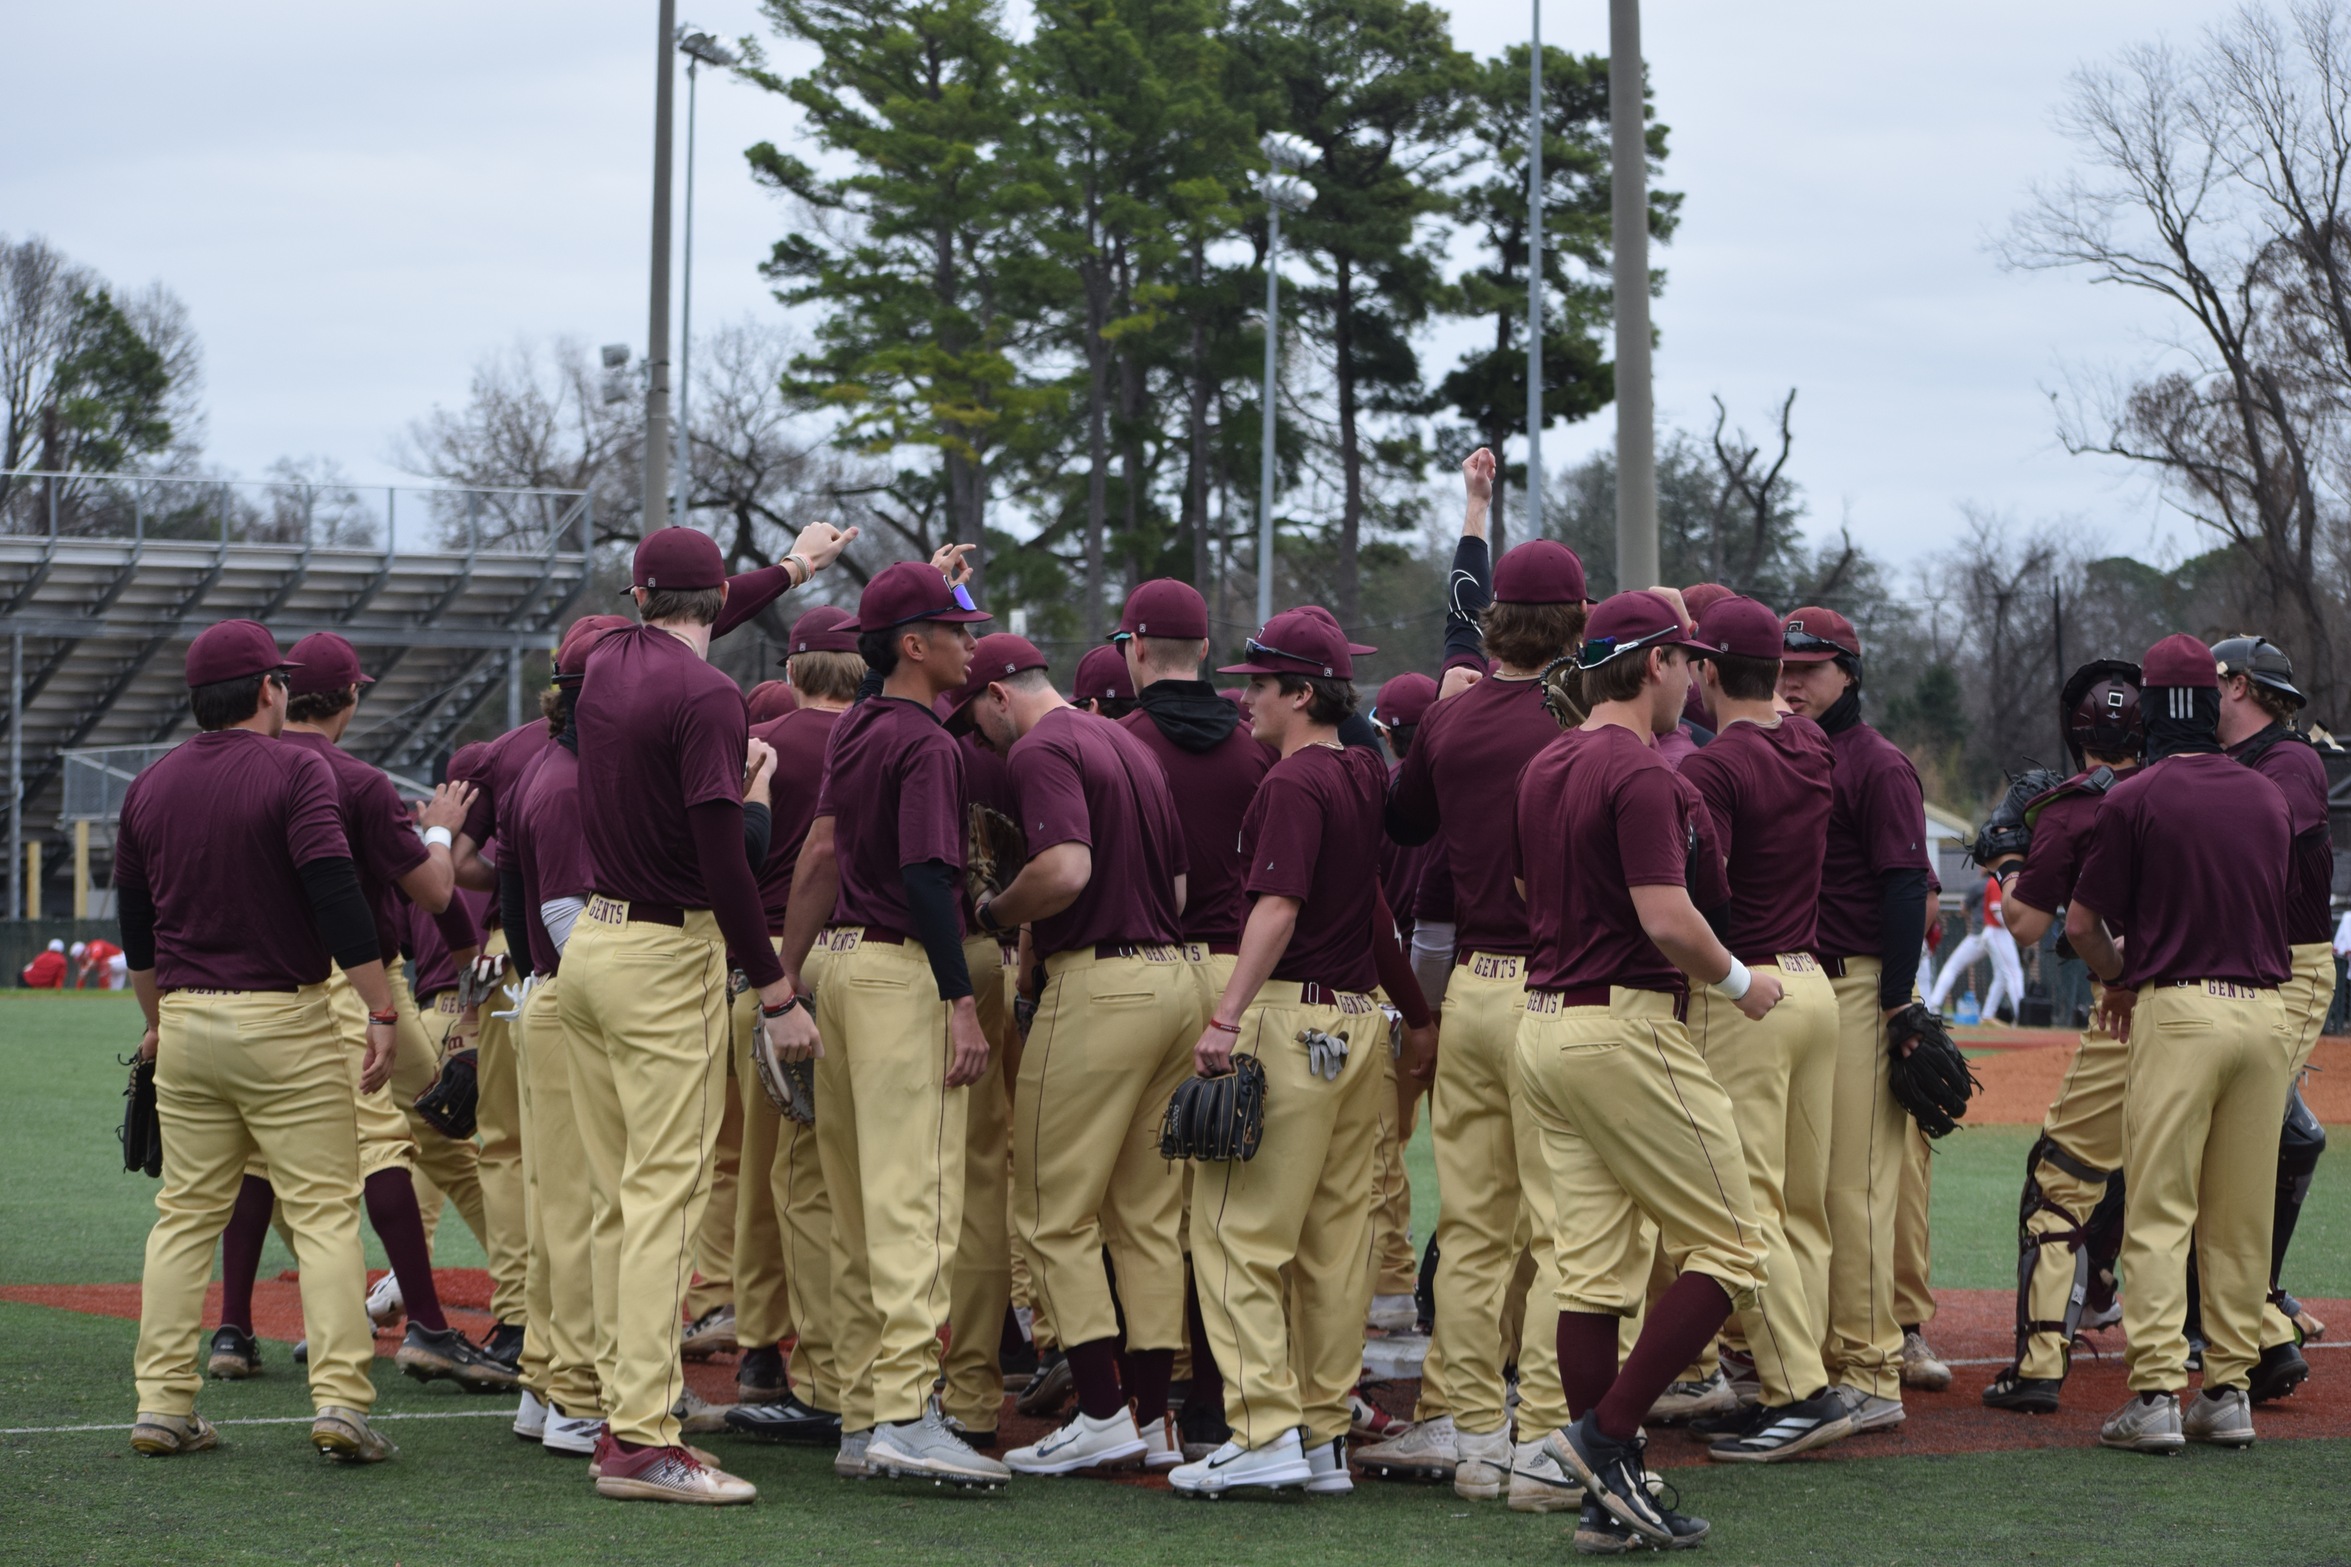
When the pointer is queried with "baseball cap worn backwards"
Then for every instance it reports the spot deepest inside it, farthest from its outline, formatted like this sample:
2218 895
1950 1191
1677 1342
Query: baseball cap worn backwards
1629 623
571 657
1164 607
770 700
993 657
1739 627
1699 597
1403 700
1540 571
678 559
324 662
1303 641
1102 676
913 590
1813 635
233 650
2181 660
824 629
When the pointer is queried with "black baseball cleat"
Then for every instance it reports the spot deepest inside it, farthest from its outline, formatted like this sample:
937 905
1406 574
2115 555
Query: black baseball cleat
301 1352
1601 1533
759 1375
449 1356
1049 1389
504 1345
1786 1431
2025 1395
1613 1475
235 1355
786 1419
2279 1371
1731 1422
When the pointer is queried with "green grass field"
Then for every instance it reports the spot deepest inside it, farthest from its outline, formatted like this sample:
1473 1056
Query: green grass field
465 1491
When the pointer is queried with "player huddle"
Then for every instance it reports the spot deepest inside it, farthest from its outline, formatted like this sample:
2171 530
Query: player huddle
908 968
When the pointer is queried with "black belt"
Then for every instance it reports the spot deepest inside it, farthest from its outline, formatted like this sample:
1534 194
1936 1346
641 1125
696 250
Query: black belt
1597 996
656 914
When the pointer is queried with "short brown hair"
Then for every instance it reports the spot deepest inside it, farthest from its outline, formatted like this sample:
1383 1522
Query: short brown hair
1622 677
316 707
1746 679
1168 653
698 606
830 677
1528 636
1334 700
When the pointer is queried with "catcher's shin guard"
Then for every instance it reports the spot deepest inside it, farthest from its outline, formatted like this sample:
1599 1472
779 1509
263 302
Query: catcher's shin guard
2300 1143
2077 1237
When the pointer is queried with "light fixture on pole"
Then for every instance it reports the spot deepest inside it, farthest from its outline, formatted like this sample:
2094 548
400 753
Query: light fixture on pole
1283 192
700 49
1534 274
656 497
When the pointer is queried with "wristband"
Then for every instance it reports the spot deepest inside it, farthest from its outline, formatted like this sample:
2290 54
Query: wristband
985 913
440 836
807 571
795 1001
388 1019
1734 985
1233 1029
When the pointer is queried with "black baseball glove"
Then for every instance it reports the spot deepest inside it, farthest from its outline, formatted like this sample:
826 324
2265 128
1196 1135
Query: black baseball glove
2007 831
1931 1078
1217 1118
447 1105
142 1130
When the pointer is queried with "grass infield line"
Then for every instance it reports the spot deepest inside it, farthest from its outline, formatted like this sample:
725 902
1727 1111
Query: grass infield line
282 1420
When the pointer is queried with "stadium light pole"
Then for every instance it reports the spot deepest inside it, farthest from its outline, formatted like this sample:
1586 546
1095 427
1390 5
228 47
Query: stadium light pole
656 501
1283 192
1534 522
1636 433
701 49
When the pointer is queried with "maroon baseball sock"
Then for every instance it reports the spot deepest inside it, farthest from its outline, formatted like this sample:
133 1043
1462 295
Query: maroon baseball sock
1093 1365
240 1251
1147 1383
1684 1318
1587 1358
392 1210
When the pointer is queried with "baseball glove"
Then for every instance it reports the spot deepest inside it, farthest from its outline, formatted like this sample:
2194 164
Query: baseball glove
789 1085
478 981
142 1131
993 851
1931 1080
447 1104
2009 831
1217 1118
1563 692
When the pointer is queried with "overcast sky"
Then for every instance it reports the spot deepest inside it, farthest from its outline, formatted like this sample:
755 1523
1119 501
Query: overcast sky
358 202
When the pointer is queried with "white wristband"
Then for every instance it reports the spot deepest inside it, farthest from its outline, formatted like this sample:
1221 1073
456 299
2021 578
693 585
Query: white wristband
440 836
1734 984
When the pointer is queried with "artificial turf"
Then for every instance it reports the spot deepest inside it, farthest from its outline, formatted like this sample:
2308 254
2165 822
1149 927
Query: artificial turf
465 1491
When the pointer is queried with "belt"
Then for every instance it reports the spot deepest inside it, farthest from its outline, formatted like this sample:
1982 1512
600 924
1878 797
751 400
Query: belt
250 990
1218 949
1463 953
879 935
1834 968
1160 951
1597 996
1773 955
656 914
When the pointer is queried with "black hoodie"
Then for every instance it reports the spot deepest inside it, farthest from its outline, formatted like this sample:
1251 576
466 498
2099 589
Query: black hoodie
1190 713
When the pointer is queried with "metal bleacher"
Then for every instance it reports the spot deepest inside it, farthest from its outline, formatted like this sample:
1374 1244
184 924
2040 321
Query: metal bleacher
105 578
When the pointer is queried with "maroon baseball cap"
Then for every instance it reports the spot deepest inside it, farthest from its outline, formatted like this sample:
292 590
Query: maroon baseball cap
1540 571
468 760
771 699
1102 676
1304 641
232 650
679 559
2180 660
1699 597
1627 622
824 629
993 657
1740 627
571 657
1356 648
1164 607
913 590
1403 700
1813 635
324 662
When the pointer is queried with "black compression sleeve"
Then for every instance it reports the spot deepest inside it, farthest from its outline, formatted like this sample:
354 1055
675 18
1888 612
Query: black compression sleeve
1468 591
938 924
1355 729
515 915
1902 917
717 826
340 908
134 909
758 825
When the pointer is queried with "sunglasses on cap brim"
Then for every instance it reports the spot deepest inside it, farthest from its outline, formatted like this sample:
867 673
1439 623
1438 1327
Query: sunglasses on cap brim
1255 648
1806 642
1599 650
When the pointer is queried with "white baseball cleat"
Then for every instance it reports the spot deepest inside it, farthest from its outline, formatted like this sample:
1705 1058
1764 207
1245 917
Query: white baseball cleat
574 1436
1085 1445
926 1449
1233 1467
2224 1419
849 1462
2145 1427
1682 1401
1922 1368
530 1417
384 1301
1392 1314
1539 1484
1163 1448
1484 1468
1428 1451
1329 1463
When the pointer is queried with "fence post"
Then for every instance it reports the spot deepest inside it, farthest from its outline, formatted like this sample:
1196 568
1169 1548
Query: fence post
32 879
16 773
81 869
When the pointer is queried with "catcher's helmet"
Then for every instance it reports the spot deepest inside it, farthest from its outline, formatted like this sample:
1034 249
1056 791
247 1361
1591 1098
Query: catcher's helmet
2260 660
2100 705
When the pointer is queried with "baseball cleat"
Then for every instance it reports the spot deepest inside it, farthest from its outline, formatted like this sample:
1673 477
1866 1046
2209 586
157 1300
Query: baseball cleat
786 1419
504 1345
709 1334
235 1356
530 1418
384 1301
1329 1463
1694 1400
926 1449
759 1376
345 1436
607 1450
301 1355
2023 1394
2195 1360
1233 1467
1738 1368
2279 1371
669 1474
973 1436
168 1436
1162 1448
849 1462
1599 1532
1201 1425
2105 1316
2223 1418
1538 1483
1483 1465
572 1436
449 1356
1867 1411
1049 1389
1368 1422
1430 1450
2144 1426
1921 1368
1084 1446
698 1416
1784 1432
1392 1314
1612 1475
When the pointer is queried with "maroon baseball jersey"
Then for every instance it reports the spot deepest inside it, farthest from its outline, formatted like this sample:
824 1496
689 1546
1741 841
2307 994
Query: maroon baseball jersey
1433 904
1877 823
497 772
2061 841
2302 778
431 970
1216 786
893 785
2190 853
660 733
542 832
1598 814
383 837
1080 779
1401 866
1768 791
213 832
799 739
1458 787
1313 833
